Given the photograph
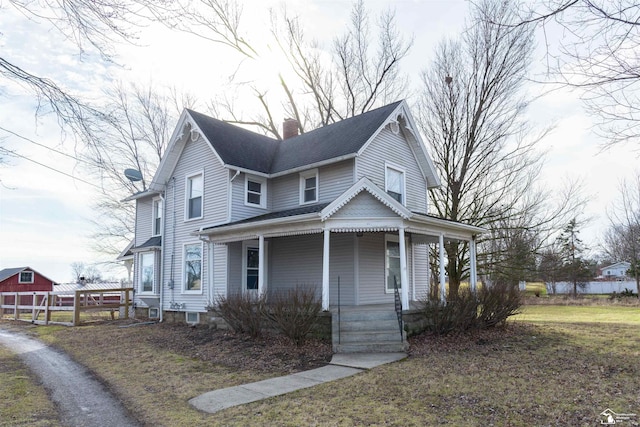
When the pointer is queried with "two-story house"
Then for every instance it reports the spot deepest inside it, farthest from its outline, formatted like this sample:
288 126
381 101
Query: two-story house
342 209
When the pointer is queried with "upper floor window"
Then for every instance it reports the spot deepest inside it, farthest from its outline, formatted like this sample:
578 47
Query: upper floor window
309 186
25 277
145 281
157 217
193 267
194 196
394 183
255 191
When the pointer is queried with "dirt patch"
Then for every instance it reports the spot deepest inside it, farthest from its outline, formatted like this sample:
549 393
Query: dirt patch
270 353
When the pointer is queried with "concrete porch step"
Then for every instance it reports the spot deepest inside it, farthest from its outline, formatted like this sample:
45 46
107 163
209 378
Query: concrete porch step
370 347
361 316
369 325
371 336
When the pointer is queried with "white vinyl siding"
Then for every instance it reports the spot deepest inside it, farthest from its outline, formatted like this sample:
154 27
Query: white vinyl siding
296 261
333 180
420 270
391 149
364 205
196 156
341 265
144 217
240 209
371 272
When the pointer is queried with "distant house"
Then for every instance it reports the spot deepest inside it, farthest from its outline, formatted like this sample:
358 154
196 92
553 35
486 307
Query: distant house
23 279
616 271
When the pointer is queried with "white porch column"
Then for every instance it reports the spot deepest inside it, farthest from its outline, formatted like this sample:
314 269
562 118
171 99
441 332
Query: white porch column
473 275
404 281
443 285
261 287
325 270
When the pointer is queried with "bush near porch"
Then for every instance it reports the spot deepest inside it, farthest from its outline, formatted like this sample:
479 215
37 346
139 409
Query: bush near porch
295 313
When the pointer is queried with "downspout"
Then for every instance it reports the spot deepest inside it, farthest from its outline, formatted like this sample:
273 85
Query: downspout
162 246
173 244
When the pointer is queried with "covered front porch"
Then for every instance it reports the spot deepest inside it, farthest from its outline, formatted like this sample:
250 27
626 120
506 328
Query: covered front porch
347 262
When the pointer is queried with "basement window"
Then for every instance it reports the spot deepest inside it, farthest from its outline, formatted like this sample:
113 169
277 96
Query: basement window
154 313
192 317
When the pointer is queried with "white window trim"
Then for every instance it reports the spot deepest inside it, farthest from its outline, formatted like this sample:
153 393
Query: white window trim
263 190
400 169
254 244
183 287
153 277
153 215
33 277
153 313
186 196
303 177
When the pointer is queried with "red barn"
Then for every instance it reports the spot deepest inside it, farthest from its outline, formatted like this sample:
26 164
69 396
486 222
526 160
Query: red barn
24 279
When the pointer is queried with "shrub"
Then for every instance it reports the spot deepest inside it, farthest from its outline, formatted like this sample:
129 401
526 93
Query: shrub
445 317
243 312
497 303
294 313
627 293
489 307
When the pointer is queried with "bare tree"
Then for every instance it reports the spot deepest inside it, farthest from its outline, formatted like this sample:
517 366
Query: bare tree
471 112
92 26
321 85
134 133
596 52
622 239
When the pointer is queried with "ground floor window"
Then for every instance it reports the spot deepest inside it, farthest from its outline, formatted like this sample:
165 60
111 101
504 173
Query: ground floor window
253 261
193 267
146 272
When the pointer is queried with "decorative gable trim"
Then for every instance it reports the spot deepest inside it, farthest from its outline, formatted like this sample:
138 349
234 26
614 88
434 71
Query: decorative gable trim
411 134
186 130
364 184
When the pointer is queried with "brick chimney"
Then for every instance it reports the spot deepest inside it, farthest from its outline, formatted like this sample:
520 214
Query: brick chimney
289 128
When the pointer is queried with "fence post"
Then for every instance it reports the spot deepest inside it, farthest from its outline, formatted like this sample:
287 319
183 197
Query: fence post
34 301
1 305
16 298
76 308
47 312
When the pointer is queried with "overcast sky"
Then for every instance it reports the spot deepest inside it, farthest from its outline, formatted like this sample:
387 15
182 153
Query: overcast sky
45 215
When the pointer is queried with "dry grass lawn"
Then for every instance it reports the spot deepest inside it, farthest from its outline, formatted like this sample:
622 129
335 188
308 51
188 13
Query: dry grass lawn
23 402
551 366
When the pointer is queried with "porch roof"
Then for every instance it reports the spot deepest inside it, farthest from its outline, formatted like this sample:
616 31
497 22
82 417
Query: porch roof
308 220
153 243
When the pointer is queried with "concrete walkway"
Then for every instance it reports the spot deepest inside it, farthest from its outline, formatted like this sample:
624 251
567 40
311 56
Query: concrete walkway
342 365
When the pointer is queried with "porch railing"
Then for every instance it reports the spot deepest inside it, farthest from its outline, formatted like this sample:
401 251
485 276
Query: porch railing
398 306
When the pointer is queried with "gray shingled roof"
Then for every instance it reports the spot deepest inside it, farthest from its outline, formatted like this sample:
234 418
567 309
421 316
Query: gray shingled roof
154 242
274 215
8 272
249 150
